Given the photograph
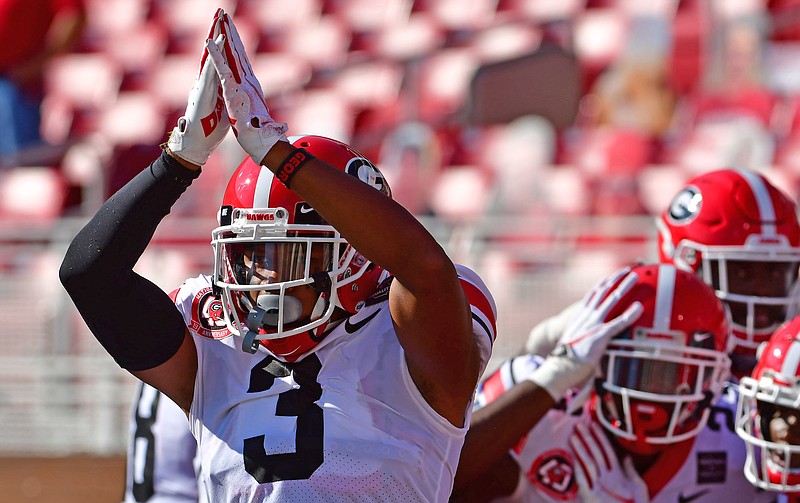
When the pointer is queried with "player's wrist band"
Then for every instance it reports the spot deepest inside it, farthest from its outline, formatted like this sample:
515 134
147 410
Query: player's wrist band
291 165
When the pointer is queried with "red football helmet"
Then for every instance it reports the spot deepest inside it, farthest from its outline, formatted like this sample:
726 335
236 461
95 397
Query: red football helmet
274 254
773 394
661 375
741 235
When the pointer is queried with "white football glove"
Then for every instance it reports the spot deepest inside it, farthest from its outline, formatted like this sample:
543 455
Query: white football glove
584 341
254 128
205 122
599 476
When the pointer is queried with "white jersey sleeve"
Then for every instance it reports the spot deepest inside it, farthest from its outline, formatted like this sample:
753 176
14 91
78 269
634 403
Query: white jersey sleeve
346 423
483 310
161 452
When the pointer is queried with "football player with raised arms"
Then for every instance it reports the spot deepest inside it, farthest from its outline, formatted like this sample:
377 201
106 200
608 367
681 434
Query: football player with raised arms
352 346
654 426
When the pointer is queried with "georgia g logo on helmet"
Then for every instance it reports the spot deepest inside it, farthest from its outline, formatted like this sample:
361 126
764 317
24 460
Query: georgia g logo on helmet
686 205
364 170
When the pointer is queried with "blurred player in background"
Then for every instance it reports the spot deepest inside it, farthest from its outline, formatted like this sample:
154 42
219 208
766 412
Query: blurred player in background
162 464
768 416
330 379
740 234
657 425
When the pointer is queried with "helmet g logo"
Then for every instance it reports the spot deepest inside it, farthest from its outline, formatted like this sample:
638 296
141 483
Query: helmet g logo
686 205
365 171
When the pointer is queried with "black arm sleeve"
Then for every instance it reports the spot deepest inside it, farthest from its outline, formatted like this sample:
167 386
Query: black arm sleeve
134 320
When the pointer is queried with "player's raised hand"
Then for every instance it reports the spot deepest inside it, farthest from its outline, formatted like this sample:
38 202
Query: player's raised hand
598 473
255 129
583 343
205 122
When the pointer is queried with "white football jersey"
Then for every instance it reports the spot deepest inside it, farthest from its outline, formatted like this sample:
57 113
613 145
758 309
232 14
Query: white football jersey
161 465
345 423
707 468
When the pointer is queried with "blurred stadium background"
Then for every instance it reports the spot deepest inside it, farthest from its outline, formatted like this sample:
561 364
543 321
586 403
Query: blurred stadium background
537 140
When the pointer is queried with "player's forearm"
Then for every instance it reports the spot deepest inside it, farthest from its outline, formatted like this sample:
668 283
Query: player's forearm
375 225
97 270
499 426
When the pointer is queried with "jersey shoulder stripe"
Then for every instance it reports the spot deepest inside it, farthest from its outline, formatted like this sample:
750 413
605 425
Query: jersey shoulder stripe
484 310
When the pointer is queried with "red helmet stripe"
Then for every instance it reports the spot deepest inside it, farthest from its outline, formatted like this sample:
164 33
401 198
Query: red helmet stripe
763 201
791 361
262 190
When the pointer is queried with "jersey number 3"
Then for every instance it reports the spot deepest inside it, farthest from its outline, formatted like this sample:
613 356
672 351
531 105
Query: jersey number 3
299 403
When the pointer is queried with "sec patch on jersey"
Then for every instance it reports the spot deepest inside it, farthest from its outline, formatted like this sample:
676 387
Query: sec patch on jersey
552 473
208 318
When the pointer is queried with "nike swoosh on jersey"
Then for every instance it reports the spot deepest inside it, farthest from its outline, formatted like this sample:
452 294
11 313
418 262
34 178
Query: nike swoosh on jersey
352 328
692 497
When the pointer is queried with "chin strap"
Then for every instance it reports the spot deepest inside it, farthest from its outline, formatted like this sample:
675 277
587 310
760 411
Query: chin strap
268 306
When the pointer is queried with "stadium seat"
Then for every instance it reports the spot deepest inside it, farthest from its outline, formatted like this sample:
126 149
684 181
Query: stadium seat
442 81
135 117
188 21
418 36
171 81
32 192
506 41
658 184
277 16
371 83
280 73
466 15
323 42
372 15
89 81
461 194
321 111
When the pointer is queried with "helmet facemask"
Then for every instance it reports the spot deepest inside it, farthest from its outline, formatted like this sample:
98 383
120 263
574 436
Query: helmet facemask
276 279
773 453
758 282
655 394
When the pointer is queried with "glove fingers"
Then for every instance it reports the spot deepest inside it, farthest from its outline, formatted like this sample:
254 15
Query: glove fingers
624 320
606 449
213 31
579 442
601 289
218 59
620 291
230 49
595 448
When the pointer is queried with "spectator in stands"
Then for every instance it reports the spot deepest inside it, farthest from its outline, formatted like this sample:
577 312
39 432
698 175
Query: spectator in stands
32 32
734 84
634 94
